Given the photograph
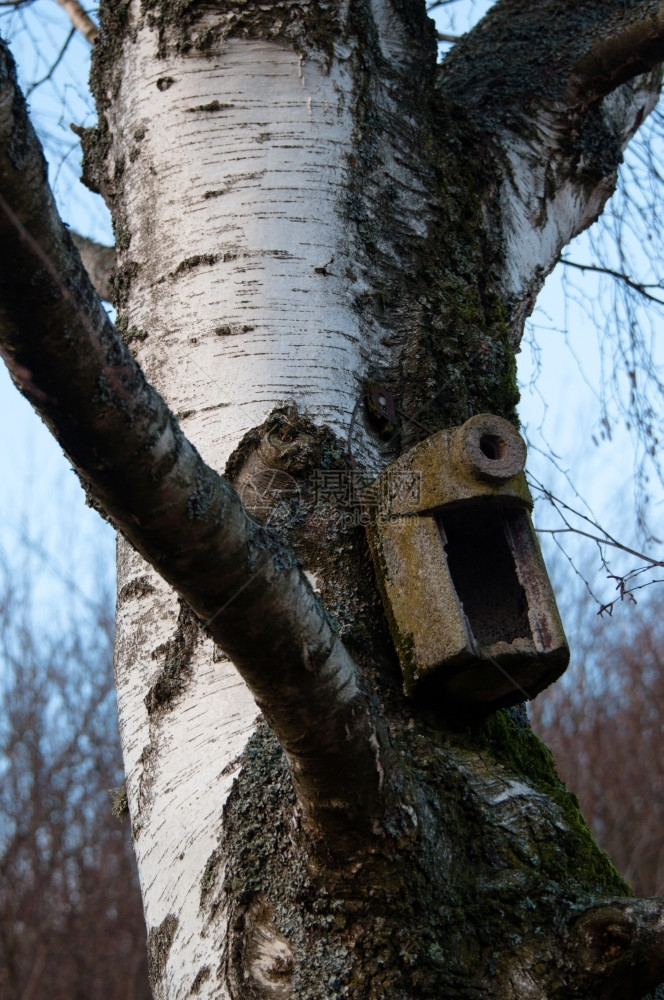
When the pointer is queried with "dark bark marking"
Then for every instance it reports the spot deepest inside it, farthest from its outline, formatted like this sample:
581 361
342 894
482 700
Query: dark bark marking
447 910
160 940
198 260
304 27
176 669
212 106
148 762
138 587
202 976
209 876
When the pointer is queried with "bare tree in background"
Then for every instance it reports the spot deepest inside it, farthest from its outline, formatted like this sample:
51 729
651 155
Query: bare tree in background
71 922
604 723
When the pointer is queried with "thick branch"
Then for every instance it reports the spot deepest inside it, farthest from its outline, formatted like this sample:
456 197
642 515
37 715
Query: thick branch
625 47
558 89
521 57
239 577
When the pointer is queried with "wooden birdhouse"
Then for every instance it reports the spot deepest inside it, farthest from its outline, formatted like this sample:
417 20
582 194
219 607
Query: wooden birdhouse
467 595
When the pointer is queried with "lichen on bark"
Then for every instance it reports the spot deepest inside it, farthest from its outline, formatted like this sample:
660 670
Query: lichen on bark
160 940
429 258
181 24
324 524
462 896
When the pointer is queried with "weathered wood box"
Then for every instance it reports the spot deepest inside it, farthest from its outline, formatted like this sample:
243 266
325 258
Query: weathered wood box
468 598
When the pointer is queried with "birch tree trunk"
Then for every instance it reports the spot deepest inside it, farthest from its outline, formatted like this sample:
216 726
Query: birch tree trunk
305 206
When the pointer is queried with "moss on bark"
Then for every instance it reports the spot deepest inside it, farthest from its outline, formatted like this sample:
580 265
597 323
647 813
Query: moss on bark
465 894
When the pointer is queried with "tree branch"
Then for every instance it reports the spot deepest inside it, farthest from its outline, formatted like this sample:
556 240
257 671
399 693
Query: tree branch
521 57
80 20
557 89
626 46
438 3
237 575
54 65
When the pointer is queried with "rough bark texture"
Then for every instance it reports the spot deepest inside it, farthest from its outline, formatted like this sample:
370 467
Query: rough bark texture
305 205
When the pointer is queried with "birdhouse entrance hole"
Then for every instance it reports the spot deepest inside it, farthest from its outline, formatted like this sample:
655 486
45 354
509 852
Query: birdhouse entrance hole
483 571
493 446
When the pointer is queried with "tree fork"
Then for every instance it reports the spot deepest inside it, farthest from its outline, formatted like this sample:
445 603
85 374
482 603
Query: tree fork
130 453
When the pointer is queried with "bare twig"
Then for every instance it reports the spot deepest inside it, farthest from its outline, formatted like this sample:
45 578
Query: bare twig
54 66
442 37
569 530
636 285
602 538
438 3
607 538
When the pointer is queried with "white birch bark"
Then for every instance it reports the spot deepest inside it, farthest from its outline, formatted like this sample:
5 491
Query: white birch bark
536 224
178 768
241 157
